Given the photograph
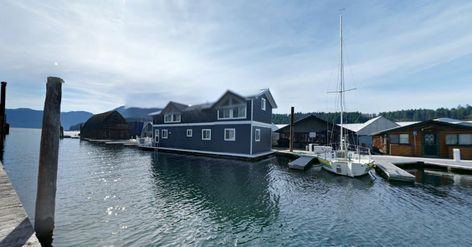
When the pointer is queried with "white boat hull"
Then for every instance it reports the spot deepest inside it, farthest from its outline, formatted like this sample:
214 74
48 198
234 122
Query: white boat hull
346 168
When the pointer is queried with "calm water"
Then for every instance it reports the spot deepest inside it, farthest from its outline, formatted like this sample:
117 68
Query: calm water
123 196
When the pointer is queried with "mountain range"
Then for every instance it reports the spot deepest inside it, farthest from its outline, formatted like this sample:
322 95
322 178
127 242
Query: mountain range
29 118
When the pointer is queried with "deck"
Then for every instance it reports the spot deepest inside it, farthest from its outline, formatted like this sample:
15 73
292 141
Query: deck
15 226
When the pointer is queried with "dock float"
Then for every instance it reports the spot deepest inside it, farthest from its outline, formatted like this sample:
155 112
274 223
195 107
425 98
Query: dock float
15 226
393 173
301 163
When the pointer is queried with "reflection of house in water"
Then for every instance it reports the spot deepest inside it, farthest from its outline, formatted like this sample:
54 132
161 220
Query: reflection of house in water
234 190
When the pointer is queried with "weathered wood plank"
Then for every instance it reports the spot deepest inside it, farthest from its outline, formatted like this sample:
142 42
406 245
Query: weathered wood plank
15 227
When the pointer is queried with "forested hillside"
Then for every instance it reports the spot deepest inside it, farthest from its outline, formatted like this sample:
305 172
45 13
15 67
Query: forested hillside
460 112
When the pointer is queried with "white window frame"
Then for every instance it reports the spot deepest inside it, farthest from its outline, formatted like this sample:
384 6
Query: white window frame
234 135
174 117
231 112
206 139
166 136
263 104
230 108
189 133
257 137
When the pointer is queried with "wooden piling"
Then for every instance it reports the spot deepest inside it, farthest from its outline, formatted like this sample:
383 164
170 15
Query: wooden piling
3 127
292 111
48 159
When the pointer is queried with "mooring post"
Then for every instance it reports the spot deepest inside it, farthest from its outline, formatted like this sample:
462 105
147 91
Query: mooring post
2 114
48 158
292 110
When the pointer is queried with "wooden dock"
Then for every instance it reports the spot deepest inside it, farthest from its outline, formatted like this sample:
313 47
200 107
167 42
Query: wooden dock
15 226
301 163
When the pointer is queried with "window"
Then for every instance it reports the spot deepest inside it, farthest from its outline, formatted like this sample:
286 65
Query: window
404 139
451 139
263 104
465 139
165 134
232 112
206 134
189 133
394 139
172 118
230 134
257 135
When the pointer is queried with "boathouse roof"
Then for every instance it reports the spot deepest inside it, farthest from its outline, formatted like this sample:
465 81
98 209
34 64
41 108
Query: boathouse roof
456 124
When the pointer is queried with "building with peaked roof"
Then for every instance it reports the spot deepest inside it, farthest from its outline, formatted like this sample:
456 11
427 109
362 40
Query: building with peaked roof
432 138
311 129
233 125
105 126
365 130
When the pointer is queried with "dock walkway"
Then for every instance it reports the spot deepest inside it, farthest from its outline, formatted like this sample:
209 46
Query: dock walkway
301 163
15 226
392 172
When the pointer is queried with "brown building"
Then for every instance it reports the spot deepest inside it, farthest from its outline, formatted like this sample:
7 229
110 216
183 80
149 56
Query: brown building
106 126
432 138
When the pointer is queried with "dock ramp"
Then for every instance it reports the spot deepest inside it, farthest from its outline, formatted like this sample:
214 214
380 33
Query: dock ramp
301 163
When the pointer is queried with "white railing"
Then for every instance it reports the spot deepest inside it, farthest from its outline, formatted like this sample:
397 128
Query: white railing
351 152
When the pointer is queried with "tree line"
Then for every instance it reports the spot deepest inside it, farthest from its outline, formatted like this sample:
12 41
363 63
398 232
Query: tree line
460 112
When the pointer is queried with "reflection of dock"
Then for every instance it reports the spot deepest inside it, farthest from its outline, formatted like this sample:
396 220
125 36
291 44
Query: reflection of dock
391 166
15 227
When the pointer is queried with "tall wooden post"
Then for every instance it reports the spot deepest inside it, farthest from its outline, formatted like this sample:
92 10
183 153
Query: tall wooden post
292 111
3 129
48 157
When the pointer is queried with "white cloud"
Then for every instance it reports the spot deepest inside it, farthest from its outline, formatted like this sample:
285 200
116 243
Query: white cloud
146 53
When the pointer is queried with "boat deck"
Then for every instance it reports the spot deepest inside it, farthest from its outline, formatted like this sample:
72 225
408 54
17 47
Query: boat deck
15 226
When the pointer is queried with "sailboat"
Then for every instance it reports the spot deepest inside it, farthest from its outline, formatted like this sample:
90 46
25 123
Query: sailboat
343 158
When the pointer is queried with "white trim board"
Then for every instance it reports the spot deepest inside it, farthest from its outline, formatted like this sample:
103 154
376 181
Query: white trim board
252 120
216 153
254 123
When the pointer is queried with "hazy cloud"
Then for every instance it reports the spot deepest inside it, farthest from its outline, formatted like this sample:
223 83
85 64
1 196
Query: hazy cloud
145 53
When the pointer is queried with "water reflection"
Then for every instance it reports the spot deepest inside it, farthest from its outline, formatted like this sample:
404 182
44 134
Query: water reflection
233 190
440 178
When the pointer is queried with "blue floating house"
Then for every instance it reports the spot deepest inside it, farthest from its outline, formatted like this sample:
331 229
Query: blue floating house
234 125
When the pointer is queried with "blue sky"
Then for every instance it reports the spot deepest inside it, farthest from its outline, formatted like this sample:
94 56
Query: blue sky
399 54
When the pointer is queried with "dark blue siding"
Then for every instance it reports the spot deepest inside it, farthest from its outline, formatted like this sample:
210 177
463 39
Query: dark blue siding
178 139
265 145
259 114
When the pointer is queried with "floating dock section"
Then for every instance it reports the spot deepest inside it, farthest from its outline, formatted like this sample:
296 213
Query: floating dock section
392 172
301 163
15 227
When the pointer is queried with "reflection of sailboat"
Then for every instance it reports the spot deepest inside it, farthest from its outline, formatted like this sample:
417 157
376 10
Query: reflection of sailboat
145 139
344 159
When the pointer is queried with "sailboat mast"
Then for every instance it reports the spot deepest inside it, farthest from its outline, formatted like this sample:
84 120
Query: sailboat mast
341 82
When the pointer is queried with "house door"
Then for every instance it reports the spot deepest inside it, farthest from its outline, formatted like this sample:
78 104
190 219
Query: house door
430 144
156 136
